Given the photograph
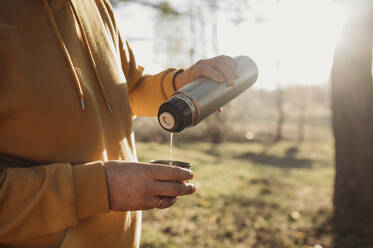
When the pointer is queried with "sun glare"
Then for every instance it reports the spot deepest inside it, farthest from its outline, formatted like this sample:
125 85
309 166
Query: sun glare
295 45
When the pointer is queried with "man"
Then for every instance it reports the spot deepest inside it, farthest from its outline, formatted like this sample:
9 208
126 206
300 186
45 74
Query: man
69 88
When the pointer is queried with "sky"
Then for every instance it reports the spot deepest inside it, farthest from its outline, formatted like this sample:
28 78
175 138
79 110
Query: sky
294 46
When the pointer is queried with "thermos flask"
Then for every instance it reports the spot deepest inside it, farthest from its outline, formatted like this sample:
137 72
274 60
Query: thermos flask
202 97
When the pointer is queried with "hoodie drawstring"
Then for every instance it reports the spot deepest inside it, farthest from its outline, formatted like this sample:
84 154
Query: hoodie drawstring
68 58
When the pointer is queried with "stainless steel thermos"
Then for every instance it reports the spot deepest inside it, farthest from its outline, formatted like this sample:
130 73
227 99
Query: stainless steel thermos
202 97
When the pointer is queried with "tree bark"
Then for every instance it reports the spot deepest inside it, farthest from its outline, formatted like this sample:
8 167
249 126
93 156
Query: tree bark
352 105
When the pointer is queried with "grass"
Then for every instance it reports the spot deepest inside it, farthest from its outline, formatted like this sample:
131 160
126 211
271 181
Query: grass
249 195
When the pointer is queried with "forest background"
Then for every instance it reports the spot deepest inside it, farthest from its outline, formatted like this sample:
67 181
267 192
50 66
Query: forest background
287 163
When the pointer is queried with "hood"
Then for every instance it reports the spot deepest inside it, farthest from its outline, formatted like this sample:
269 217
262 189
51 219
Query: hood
86 43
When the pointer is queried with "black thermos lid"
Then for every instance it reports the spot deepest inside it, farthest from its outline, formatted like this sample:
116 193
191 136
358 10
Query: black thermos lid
179 110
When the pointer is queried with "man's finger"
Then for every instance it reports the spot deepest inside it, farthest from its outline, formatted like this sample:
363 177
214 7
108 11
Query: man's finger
232 64
210 72
166 202
229 62
232 68
225 71
160 202
173 189
170 173
151 202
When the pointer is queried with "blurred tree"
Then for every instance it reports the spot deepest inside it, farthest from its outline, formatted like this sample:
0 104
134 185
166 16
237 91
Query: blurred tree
280 114
279 107
302 114
352 105
193 36
214 6
216 123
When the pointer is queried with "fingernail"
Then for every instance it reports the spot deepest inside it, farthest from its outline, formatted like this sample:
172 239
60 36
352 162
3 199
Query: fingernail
191 174
192 188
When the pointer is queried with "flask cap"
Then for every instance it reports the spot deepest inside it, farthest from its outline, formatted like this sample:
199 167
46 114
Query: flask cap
175 114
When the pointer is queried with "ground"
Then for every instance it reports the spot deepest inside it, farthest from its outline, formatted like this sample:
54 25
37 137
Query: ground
249 195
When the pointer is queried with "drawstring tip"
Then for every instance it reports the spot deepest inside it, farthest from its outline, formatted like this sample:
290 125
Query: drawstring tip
82 103
109 108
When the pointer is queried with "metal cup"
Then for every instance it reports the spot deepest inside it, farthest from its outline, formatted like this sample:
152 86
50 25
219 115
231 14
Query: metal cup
181 164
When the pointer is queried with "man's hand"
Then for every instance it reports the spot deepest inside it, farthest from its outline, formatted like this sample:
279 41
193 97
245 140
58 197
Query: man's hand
220 69
142 186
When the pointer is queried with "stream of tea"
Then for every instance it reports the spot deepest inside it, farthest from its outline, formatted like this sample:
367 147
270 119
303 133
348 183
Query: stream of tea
171 156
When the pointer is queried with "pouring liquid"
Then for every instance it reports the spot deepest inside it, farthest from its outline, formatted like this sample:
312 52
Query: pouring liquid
171 157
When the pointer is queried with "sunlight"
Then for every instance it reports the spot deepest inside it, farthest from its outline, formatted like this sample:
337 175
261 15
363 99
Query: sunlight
308 43
294 47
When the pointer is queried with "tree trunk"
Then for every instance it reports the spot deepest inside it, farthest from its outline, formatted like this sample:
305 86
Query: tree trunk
280 112
216 123
193 38
352 105
302 116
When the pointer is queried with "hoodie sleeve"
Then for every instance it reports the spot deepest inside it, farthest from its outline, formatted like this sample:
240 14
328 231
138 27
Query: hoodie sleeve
146 92
41 200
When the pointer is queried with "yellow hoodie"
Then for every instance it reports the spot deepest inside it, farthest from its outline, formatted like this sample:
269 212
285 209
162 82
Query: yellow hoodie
69 87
